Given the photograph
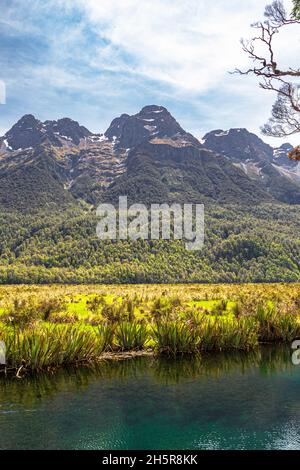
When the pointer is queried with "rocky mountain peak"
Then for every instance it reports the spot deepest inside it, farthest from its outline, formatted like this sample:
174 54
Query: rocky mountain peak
259 161
242 146
153 108
152 112
163 160
67 128
151 122
280 156
238 144
29 132
27 120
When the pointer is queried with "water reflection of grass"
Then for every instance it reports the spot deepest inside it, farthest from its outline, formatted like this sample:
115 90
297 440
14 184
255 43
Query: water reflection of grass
162 371
274 359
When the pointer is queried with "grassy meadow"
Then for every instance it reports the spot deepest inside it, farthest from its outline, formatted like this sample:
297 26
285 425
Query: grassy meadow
45 327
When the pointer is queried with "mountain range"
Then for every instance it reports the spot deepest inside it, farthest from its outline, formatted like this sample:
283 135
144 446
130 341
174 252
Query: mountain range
148 156
54 173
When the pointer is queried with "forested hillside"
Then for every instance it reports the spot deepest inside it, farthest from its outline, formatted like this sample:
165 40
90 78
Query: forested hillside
242 244
54 174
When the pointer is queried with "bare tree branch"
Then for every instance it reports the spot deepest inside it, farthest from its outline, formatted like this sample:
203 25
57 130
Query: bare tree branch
266 66
285 116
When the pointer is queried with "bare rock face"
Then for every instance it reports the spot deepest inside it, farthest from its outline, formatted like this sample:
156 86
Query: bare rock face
280 155
26 133
151 122
29 132
239 144
270 166
68 129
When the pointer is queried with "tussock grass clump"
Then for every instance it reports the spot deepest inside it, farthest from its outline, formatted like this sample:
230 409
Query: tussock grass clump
105 334
131 336
49 307
51 346
94 320
63 318
220 307
111 313
223 334
78 344
276 326
162 307
96 303
34 349
175 337
21 314
127 310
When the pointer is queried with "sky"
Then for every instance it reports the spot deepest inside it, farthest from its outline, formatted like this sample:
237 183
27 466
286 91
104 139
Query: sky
93 60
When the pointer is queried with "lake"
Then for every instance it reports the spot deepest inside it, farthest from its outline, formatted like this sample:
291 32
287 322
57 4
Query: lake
220 401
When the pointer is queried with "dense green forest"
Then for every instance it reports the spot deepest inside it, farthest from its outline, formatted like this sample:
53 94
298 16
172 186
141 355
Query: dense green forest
242 244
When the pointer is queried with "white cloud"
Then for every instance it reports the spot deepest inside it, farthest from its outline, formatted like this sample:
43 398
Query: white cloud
163 51
189 44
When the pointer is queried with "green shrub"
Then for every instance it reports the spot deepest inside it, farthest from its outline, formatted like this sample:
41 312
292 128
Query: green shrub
220 307
48 307
63 318
21 314
96 303
162 307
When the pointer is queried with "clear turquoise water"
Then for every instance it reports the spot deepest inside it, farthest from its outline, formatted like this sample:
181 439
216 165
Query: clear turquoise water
219 402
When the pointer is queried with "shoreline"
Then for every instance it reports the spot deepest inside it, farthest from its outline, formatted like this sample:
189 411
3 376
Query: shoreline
8 373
